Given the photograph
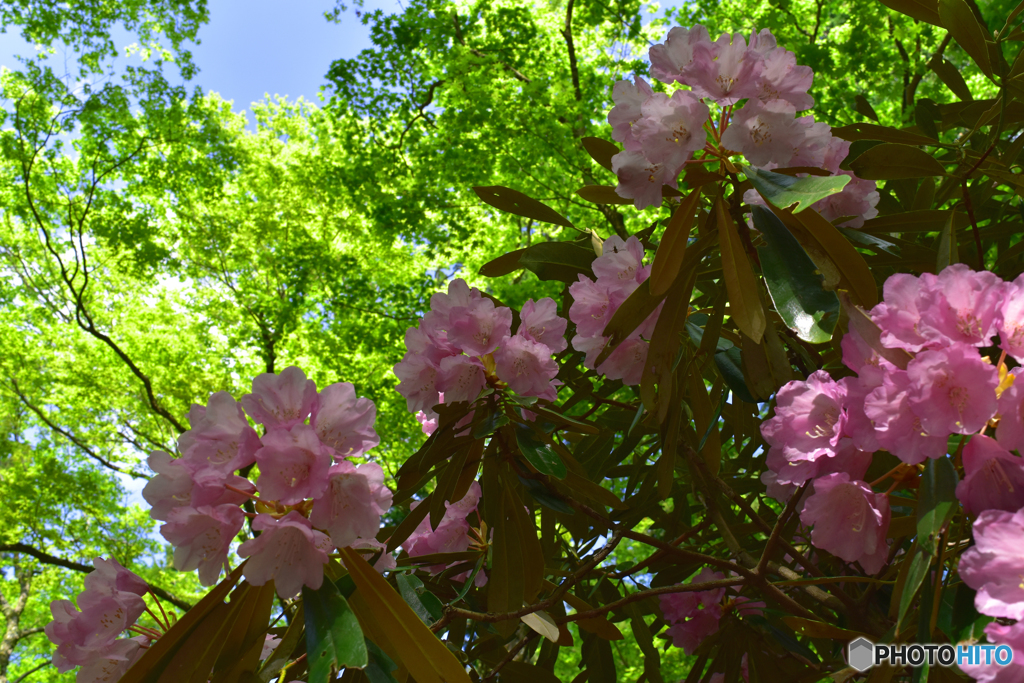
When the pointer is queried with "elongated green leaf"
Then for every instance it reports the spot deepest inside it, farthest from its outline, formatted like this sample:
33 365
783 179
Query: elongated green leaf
951 76
540 454
503 265
783 191
410 588
600 150
424 656
948 251
333 635
869 131
957 16
922 10
672 250
936 498
793 283
740 280
512 201
892 161
730 364
562 261
919 565
931 220
380 666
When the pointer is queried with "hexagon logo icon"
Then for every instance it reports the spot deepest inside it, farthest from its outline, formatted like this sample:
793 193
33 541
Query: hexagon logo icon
861 654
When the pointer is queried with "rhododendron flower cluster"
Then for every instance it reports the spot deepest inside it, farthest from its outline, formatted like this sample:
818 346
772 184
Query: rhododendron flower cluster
465 344
924 381
619 270
693 616
110 604
452 535
311 500
661 133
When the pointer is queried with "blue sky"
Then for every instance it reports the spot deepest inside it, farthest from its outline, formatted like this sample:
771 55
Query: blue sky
251 48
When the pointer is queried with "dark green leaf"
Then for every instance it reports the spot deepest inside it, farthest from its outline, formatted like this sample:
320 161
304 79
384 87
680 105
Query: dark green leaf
540 493
783 191
731 366
540 454
380 666
892 161
563 261
517 203
793 282
936 501
915 577
333 635
407 587
869 131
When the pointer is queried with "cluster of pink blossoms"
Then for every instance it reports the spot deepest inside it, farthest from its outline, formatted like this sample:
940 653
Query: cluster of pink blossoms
110 604
452 535
619 270
694 615
465 344
924 382
312 498
660 133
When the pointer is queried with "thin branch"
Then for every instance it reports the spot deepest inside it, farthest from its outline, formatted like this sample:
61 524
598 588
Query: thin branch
477 53
567 34
31 671
47 558
71 437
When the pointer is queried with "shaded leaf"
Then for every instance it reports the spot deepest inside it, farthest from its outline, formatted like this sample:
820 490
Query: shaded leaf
861 104
740 280
540 454
951 76
517 203
957 16
785 191
948 252
600 150
562 261
936 498
503 265
793 283
730 364
541 622
892 161
423 655
922 10
333 636
672 250
869 131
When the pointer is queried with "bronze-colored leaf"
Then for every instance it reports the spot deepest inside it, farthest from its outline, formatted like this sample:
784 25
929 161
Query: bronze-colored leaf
602 194
512 201
672 250
740 280
600 150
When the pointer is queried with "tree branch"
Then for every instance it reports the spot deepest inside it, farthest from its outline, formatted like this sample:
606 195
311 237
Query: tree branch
31 671
47 558
567 34
69 436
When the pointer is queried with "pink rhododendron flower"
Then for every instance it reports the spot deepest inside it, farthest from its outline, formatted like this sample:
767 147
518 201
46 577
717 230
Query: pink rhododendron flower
451 534
671 128
626 362
1011 316
899 315
176 485
670 59
640 179
385 563
293 465
781 77
999 634
850 520
1010 433
540 322
993 477
202 537
813 143
441 304
808 420
590 310
269 645
479 327
283 400
527 366
628 98
693 616
418 383
351 506
621 261
897 428
994 565
344 422
963 306
461 379
764 132
83 636
113 661
110 575
288 550
952 390
220 438
726 70
427 424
